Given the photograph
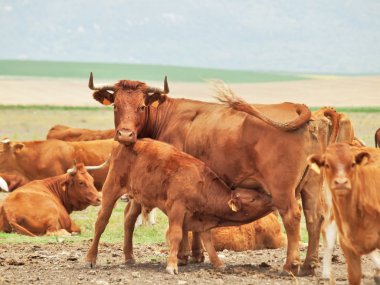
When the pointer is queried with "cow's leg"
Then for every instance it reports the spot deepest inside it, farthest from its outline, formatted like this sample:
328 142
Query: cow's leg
329 238
176 217
311 203
110 196
60 232
184 249
152 216
375 256
353 262
214 258
131 212
197 255
291 218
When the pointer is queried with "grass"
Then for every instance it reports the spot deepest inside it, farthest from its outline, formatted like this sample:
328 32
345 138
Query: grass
143 72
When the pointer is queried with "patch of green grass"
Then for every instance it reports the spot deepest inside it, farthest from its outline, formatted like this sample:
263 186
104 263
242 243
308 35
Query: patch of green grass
353 109
143 72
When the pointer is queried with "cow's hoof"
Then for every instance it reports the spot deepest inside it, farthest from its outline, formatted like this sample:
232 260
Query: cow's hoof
306 271
75 233
182 261
197 259
220 267
377 280
326 281
130 261
172 270
90 264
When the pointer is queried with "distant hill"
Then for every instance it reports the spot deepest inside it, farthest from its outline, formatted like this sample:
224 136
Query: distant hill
21 68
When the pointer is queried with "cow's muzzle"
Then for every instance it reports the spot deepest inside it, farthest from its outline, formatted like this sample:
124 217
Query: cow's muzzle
341 183
125 136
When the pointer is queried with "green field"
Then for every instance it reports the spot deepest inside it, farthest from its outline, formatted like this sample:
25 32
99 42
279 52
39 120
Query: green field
143 72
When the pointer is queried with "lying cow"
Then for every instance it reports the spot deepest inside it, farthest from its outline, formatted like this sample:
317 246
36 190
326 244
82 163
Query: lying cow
155 174
42 159
351 176
10 182
66 133
261 234
42 207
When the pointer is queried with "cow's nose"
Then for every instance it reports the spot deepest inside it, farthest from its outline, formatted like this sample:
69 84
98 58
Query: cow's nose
126 136
341 182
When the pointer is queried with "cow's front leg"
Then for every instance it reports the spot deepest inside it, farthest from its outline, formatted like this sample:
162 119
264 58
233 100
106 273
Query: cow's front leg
176 217
197 255
375 256
353 262
110 196
214 258
184 249
329 238
131 212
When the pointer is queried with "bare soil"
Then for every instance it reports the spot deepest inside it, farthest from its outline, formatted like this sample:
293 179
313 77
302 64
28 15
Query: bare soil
63 263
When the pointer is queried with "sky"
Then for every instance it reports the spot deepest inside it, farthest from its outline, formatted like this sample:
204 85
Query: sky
324 36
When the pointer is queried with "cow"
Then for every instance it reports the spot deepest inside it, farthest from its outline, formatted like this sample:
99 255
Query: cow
41 159
377 138
66 133
263 154
43 207
10 182
156 174
261 234
351 176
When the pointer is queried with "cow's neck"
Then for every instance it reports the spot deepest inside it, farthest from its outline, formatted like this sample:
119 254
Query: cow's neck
56 186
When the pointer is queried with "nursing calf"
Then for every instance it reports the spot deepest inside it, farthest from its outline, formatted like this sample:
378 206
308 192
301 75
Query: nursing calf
351 176
42 207
155 174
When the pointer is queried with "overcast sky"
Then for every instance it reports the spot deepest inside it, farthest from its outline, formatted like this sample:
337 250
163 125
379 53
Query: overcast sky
325 36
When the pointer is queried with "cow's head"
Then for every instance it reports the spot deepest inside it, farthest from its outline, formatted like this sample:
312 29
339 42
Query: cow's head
131 101
249 204
9 153
80 188
339 163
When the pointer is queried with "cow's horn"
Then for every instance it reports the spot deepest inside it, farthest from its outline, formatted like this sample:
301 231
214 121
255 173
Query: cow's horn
3 184
104 164
73 171
5 141
99 86
159 90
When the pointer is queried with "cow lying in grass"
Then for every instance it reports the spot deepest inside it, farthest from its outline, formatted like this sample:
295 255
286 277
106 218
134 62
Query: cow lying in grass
352 178
42 207
155 174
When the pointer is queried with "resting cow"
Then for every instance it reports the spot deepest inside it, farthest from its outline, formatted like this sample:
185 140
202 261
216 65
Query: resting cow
66 133
261 234
10 182
42 207
255 145
155 174
351 176
42 159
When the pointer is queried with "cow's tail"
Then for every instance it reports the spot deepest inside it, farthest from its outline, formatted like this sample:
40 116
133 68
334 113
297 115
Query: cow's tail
15 226
335 119
227 96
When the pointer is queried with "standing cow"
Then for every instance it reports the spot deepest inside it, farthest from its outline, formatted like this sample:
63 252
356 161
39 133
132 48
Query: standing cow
351 176
246 151
156 174
42 207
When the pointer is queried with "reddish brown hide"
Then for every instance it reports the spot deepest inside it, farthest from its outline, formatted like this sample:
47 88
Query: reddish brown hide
13 181
42 207
155 174
65 133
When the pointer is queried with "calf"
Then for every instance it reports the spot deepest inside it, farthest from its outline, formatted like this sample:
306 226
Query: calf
194 198
351 176
10 182
42 207
66 133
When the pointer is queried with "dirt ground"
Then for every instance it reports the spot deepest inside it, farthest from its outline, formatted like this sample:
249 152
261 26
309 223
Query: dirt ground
63 263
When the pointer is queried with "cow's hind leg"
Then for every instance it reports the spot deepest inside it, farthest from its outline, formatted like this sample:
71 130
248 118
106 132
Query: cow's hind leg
312 209
197 255
110 196
375 256
176 217
207 241
131 212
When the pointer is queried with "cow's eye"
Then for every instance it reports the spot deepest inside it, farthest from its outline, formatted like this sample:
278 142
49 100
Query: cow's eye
114 108
327 166
141 108
81 183
353 165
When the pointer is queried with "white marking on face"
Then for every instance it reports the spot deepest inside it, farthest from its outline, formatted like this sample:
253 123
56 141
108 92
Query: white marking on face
4 185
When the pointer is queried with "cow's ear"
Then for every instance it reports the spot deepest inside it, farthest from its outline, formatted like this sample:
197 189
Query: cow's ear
17 147
234 203
315 162
104 97
155 99
362 158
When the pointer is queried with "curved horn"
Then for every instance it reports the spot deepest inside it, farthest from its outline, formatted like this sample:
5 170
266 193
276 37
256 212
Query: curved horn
104 164
73 171
3 185
5 141
99 86
159 90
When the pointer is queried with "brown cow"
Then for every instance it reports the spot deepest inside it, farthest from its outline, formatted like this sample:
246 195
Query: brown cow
42 207
9 181
66 133
155 174
351 176
42 159
255 146
377 138
261 234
